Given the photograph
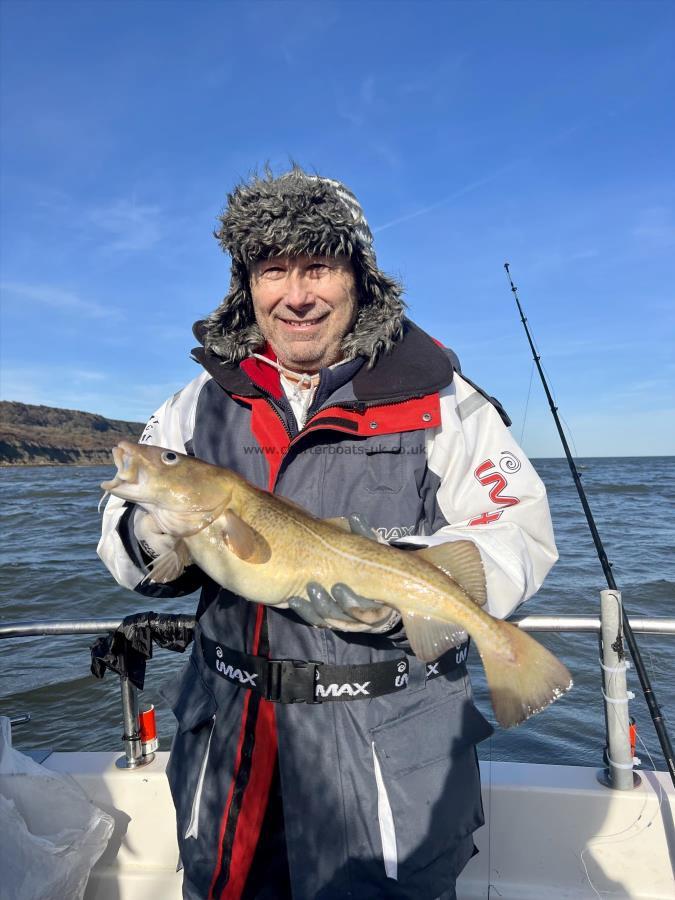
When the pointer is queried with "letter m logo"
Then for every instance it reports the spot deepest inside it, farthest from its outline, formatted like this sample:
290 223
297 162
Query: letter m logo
496 482
488 475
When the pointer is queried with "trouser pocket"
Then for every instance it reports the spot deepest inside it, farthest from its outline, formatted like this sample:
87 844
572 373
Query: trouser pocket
192 830
194 706
429 801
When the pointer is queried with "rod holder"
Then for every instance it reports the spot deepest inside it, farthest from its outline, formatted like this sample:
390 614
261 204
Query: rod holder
133 751
619 774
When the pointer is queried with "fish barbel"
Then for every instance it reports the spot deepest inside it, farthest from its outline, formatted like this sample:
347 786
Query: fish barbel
267 549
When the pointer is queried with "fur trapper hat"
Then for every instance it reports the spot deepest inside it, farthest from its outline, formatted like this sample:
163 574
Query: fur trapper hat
299 213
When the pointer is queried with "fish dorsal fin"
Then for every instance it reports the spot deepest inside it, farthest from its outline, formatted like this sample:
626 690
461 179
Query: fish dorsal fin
460 560
242 540
341 522
429 637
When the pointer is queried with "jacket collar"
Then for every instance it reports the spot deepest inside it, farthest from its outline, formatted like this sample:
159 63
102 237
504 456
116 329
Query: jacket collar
416 366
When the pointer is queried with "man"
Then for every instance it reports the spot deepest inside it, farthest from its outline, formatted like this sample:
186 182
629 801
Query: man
315 386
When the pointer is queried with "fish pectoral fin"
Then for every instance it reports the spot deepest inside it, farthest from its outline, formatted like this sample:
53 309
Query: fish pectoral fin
430 637
242 540
169 565
461 560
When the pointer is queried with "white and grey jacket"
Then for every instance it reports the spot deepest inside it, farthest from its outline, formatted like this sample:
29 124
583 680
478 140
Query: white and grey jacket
380 796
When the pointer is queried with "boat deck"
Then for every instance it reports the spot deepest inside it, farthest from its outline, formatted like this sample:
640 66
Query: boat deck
551 831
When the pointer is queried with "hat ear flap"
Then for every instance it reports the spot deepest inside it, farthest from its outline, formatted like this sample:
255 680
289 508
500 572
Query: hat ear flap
379 324
231 330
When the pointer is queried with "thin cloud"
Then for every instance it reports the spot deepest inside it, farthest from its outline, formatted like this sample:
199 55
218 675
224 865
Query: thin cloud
558 138
548 260
367 90
386 153
58 299
357 108
466 189
86 375
656 228
130 227
652 388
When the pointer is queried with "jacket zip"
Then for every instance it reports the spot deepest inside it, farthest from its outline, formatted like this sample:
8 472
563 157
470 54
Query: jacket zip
358 405
351 406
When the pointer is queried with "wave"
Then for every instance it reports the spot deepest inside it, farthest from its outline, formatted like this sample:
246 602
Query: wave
658 594
620 489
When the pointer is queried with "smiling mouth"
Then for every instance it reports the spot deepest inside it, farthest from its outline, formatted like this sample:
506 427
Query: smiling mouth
303 323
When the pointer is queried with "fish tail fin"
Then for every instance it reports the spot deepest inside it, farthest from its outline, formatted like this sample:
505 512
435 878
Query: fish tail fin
523 676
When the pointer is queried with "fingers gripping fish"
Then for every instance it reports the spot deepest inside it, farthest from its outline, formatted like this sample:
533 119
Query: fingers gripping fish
267 549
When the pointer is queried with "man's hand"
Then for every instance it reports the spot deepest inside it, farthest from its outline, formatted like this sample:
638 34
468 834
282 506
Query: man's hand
341 608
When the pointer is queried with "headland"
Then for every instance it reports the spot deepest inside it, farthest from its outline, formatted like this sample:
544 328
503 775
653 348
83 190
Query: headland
47 436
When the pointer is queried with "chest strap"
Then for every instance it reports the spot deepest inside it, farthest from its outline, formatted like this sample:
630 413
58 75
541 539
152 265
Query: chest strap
302 681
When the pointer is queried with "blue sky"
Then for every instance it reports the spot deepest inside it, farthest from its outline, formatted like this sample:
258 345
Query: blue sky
473 133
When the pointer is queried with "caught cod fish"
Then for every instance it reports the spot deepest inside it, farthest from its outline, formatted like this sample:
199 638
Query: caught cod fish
267 549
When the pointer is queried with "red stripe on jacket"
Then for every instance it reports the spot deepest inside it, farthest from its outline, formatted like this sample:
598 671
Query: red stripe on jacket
256 794
266 377
254 804
271 435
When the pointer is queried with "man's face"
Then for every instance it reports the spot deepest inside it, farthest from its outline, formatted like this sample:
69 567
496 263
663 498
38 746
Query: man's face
304 306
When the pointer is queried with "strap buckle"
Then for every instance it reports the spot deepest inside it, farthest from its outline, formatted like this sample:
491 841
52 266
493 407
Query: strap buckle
292 680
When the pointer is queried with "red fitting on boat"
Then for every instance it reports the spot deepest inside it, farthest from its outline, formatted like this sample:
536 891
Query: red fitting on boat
632 731
147 728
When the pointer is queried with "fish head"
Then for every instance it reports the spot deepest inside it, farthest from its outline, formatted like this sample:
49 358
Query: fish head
184 494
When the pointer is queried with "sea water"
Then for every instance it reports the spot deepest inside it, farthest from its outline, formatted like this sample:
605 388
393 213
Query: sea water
49 528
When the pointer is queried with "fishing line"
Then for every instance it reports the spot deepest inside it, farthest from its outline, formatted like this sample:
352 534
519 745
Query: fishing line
650 698
652 666
489 836
569 431
527 403
553 394
616 837
568 427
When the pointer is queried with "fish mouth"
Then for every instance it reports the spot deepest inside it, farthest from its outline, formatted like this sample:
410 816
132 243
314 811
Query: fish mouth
126 460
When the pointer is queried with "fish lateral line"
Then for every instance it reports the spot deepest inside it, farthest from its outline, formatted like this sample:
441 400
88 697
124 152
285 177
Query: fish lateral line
353 558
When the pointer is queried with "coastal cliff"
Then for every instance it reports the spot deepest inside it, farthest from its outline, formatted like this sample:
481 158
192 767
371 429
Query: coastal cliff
47 436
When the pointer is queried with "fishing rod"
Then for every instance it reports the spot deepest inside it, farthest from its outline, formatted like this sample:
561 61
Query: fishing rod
645 683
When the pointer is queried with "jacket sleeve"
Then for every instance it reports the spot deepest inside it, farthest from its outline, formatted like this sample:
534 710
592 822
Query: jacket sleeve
171 426
489 493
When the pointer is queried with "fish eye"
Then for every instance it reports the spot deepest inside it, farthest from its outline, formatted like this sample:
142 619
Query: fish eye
170 458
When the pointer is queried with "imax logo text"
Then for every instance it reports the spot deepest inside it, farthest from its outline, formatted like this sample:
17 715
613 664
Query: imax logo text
323 691
240 675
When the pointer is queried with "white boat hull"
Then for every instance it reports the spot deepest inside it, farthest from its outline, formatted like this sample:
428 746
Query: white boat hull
551 832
